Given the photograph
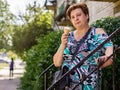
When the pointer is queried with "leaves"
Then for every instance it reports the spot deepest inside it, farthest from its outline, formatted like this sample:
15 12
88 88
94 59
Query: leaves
110 25
5 25
25 35
40 57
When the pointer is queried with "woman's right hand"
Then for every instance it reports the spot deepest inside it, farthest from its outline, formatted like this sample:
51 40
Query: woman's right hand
58 57
64 40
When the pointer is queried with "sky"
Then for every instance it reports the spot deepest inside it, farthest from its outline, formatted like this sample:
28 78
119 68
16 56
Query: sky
19 6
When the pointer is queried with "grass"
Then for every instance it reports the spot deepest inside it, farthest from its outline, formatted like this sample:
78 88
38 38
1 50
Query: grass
2 65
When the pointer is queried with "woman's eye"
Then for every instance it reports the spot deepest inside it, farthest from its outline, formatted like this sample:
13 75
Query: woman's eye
72 17
78 14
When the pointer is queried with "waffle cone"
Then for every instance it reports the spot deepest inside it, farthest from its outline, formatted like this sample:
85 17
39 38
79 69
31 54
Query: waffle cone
66 30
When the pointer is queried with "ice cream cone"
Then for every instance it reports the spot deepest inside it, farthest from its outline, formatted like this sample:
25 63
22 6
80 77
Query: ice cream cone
66 30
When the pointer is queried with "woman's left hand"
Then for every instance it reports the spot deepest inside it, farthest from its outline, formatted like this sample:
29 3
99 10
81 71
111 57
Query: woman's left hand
101 59
104 58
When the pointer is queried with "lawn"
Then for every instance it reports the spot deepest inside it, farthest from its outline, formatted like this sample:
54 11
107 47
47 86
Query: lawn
2 65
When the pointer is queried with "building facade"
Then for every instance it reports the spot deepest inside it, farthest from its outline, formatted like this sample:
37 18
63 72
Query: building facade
97 8
103 8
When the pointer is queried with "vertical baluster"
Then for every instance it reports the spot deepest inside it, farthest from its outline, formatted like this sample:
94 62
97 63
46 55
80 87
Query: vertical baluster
45 81
113 67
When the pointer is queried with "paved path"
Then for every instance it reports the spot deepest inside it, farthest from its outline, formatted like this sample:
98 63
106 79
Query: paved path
7 83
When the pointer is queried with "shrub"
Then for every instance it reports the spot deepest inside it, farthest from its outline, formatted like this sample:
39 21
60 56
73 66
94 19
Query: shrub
110 25
39 58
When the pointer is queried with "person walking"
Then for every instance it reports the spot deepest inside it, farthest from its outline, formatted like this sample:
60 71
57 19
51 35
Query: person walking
11 68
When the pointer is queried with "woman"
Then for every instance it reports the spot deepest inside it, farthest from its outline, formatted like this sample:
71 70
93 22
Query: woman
79 16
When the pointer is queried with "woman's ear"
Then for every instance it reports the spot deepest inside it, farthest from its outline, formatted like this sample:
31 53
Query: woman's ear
70 20
87 16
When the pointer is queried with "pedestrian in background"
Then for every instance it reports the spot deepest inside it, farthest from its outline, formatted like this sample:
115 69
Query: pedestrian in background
11 67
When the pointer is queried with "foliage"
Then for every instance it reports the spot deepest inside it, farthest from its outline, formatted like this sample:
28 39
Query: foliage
38 58
110 25
6 18
2 65
37 24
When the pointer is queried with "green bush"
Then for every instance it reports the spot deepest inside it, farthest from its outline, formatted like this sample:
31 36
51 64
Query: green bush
39 58
110 25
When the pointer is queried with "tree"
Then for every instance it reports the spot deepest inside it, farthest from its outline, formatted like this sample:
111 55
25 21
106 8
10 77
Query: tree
38 58
5 25
37 23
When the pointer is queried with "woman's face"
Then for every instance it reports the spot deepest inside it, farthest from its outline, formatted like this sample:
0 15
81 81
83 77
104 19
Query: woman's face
78 18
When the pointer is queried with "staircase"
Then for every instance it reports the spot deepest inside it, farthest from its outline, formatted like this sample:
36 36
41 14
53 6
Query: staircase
48 73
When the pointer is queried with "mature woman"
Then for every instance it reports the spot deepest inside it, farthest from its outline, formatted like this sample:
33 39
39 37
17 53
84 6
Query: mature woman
79 16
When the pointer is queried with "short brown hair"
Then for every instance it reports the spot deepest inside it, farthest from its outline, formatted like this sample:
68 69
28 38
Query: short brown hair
80 5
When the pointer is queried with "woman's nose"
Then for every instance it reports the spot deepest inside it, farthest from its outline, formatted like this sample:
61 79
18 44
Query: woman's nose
76 18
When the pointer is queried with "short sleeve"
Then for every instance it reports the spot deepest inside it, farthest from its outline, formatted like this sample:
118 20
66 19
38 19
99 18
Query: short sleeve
101 38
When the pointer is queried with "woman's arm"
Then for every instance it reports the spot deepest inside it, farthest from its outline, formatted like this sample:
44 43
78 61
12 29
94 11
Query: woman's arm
108 51
58 57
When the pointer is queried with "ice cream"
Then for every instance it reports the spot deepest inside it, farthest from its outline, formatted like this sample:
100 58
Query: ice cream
66 30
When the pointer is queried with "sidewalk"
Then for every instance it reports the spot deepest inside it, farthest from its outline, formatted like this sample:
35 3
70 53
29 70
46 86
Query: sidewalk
11 84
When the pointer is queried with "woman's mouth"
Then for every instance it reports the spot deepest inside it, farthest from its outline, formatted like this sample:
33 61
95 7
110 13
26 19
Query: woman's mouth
77 23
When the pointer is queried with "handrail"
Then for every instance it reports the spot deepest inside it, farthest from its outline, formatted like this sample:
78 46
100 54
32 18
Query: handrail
82 62
46 70
95 69
52 63
49 67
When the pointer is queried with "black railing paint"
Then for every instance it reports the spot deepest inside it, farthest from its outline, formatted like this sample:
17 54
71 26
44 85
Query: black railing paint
96 69
82 62
48 69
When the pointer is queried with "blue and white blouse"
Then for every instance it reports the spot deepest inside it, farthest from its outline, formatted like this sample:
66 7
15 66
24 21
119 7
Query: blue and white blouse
93 40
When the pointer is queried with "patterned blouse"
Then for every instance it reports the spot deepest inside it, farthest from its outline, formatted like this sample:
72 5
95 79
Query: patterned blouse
92 41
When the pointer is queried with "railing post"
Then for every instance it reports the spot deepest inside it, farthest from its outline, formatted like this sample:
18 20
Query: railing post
45 81
113 67
84 59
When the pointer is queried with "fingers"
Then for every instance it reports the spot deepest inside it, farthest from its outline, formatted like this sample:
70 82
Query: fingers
64 39
101 59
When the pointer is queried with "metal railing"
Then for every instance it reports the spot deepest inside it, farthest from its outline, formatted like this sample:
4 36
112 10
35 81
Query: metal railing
82 62
47 76
46 86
